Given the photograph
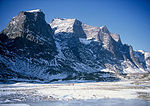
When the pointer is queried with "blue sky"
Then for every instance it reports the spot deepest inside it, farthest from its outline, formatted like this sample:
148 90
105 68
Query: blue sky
129 18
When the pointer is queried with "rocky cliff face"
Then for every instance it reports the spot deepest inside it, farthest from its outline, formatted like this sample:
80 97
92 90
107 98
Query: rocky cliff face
63 50
25 44
98 49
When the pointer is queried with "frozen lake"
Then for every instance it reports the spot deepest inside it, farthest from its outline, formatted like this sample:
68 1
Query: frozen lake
125 93
101 102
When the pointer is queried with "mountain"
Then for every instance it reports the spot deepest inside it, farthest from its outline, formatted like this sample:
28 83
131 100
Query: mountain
65 49
26 43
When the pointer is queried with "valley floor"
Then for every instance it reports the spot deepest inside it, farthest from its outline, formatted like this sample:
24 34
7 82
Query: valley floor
33 93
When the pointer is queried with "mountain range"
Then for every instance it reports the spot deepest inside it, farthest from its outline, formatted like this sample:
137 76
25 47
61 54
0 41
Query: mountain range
64 49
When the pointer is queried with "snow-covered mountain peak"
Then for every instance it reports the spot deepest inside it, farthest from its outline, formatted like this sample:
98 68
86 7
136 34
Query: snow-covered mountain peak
37 10
116 37
104 29
62 25
91 32
64 19
141 51
29 49
73 26
30 25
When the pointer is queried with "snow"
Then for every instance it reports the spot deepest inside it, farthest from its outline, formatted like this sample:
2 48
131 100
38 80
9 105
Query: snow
60 54
91 32
80 67
147 54
37 10
134 70
142 51
106 41
147 58
71 93
143 57
85 41
76 91
115 36
101 27
107 70
140 56
14 22
22 65
130 68
62 25
14 105
58 76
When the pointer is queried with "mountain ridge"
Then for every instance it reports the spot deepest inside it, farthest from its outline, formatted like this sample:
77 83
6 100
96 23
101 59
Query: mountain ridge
65 49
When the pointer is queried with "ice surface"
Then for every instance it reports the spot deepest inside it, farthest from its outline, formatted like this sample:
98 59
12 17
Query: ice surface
72 91
14 105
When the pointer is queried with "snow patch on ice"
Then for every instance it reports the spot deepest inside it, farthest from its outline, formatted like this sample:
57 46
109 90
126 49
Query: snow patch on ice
86 91
76 91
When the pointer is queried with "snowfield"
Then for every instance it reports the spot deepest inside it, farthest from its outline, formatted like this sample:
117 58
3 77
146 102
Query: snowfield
29 92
